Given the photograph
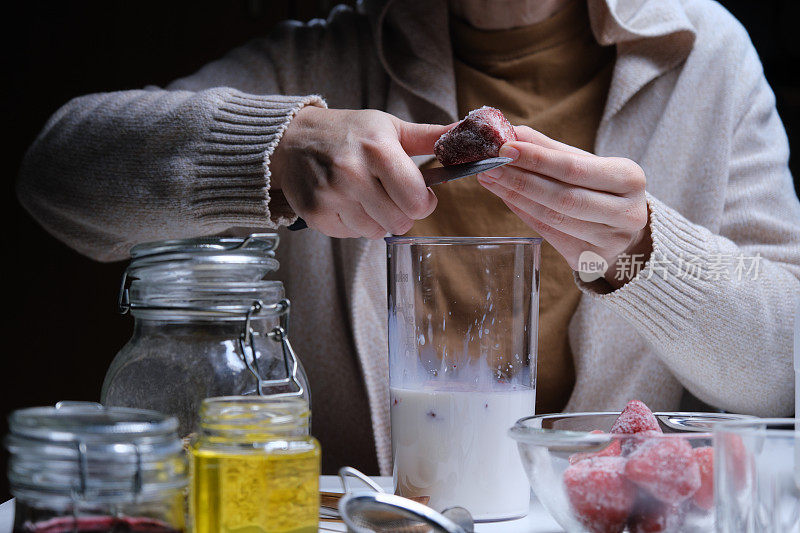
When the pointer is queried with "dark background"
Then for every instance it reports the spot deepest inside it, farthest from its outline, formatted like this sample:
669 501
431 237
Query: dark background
62 331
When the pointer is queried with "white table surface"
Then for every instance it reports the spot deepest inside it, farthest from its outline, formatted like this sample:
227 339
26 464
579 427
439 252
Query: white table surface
537 521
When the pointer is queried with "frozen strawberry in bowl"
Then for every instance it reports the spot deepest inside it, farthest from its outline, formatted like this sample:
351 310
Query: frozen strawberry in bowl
613 449
479 136
651 516
628 471
635 418
704 457
665 468
600 493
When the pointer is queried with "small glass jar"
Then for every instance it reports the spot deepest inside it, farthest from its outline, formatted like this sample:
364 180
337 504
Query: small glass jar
255 467
80 467
207 324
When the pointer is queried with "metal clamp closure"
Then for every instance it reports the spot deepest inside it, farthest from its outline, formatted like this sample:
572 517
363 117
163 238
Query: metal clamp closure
124 298
82 490
278 334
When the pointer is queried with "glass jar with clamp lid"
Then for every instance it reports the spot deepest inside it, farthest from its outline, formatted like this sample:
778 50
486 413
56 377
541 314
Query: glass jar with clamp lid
207 324
81 467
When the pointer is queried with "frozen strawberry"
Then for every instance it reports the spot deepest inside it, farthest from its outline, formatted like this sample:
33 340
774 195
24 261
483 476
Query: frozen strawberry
652 516
666 468
635 418
630 442
479 136
737 461
704 497
599 493
613 449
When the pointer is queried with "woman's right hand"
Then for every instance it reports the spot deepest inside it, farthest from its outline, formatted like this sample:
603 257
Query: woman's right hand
348 172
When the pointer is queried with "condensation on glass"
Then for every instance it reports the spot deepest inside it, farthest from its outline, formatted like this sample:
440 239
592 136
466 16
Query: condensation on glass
207 324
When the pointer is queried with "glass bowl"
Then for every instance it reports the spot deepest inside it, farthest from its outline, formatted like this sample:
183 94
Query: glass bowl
608 502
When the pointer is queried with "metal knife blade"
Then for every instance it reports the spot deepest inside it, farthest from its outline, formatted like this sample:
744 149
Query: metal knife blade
435 176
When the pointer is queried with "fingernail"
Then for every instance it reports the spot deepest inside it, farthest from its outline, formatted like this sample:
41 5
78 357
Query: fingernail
509 151
493 174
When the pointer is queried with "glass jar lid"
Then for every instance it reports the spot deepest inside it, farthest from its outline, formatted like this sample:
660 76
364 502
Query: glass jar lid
218 277
79 451
264 243
206 259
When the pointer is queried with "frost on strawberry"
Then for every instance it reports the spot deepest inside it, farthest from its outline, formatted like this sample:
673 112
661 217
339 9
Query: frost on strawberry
638 421
630 442
704 497
599 493
738 462
666 468
479 136
635 418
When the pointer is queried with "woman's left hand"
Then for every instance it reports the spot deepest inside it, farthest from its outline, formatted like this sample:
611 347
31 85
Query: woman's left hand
578 201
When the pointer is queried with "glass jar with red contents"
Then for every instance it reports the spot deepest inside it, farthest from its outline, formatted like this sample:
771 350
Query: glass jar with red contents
80 467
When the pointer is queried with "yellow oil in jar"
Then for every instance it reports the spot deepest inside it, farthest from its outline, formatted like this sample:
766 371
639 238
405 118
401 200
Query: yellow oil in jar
276 492
255 468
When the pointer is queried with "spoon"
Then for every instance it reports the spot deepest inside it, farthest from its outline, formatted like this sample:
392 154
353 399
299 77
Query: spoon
437 175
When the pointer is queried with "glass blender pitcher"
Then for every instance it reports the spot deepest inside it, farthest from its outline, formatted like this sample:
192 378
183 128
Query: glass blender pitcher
463 325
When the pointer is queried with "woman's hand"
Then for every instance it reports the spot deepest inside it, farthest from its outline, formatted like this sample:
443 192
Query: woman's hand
349 174
576 200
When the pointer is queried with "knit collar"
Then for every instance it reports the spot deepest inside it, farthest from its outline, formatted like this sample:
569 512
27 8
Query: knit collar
624 21
413 43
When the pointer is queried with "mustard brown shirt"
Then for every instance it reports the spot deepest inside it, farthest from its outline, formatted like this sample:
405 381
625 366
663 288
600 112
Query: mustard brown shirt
552 76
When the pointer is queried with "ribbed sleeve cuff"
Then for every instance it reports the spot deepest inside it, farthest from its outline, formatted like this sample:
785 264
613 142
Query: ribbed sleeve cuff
672 284
232 176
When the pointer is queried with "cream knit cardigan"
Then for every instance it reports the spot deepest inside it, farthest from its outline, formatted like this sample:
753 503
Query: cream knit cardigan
688 102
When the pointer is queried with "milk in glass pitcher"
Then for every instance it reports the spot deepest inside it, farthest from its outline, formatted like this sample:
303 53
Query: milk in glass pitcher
463 323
